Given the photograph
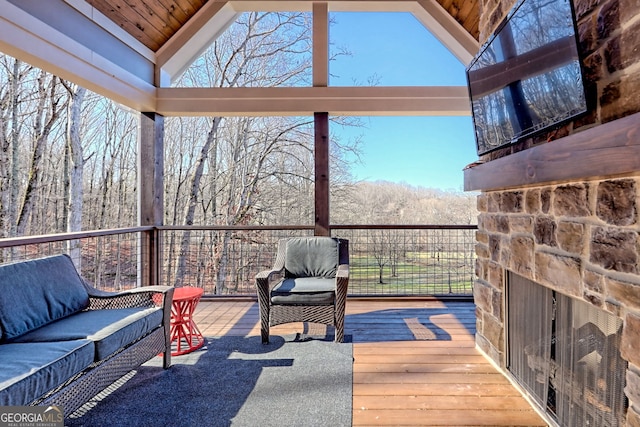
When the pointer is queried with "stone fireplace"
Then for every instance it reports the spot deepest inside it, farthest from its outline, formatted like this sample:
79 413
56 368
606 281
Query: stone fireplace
561 210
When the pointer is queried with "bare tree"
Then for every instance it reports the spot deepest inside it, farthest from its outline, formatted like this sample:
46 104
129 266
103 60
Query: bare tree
74 145
261 49
50 105
9 127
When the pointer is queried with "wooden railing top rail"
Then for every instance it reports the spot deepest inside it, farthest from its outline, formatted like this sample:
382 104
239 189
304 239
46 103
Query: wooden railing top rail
333 227
404 227
235 227
59 237
46 238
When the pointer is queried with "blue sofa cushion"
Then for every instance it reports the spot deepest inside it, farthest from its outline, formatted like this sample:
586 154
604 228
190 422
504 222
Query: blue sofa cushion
311 257
32 369
110 330
37 292
304 290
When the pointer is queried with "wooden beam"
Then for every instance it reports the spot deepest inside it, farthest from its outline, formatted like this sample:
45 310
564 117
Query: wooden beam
604 151
298 101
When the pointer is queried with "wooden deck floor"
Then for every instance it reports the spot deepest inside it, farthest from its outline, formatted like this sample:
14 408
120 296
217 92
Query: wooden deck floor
415 362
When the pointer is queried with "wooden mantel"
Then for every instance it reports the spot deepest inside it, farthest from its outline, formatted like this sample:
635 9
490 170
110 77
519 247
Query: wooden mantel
604 151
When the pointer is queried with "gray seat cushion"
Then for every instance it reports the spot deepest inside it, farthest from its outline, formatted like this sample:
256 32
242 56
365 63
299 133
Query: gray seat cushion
32 369
37 292
304 290
311 257
109 329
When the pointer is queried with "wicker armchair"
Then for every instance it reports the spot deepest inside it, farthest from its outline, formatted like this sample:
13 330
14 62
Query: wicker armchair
308 283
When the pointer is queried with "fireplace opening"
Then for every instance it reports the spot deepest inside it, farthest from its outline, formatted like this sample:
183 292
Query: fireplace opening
565 353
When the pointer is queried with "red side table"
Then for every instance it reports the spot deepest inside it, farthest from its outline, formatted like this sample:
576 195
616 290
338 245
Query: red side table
184 332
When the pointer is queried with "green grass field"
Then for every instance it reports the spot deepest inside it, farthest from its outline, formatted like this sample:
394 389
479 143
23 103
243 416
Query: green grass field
417 273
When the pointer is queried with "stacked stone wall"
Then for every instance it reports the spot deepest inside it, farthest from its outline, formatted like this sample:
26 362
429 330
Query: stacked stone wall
581 239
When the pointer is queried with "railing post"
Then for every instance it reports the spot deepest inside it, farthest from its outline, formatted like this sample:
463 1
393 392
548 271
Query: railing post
322 174
150 195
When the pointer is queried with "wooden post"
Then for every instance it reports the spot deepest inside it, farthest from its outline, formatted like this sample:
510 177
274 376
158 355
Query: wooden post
150 195
321 152
321 120
320 44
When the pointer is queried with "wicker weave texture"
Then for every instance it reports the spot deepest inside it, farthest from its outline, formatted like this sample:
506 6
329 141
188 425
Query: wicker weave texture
302 313
99 376
277 314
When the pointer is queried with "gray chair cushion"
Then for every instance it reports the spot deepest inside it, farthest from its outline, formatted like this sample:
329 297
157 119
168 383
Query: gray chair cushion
311 257
32 369
111 330
37 292
304 290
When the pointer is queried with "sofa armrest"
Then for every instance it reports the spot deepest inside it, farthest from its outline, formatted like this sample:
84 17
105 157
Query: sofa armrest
147 296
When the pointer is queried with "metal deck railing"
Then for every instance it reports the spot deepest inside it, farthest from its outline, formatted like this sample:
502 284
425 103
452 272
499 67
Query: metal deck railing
398 260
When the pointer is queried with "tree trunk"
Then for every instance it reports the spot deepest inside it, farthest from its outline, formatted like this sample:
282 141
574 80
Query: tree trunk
7 208
74 142
46 116
13 198
196 177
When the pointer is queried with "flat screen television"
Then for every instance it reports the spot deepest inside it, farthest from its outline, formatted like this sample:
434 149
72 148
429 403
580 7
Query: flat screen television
527 77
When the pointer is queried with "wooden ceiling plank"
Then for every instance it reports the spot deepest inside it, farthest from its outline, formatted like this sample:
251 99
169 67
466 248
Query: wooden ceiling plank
175 11
190 7
112 9
446 4
473 22
466 14
194 5
129 19
151 12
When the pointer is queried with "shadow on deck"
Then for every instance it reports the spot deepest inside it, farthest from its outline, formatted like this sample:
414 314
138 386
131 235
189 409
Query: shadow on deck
415 361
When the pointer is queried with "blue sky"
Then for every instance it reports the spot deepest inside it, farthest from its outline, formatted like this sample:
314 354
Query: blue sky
397 50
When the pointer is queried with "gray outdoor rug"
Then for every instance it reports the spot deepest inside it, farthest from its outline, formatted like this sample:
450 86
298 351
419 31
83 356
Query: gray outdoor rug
234 381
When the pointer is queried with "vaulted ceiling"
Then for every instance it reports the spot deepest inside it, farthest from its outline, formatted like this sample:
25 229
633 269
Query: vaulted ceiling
154 22
131 50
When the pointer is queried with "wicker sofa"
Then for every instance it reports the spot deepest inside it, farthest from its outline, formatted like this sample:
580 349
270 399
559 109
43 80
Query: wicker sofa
63 341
